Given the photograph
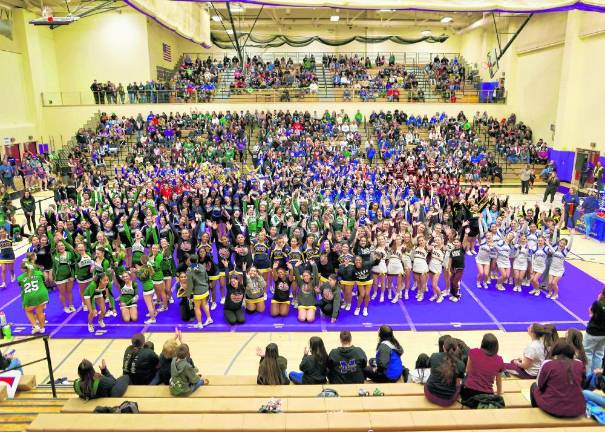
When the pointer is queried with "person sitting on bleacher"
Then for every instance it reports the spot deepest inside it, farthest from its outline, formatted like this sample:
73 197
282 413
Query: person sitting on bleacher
558 390
92 385
542 339
447 368
140 363
184 377
347 362
272 367
313 365
387 366
482 369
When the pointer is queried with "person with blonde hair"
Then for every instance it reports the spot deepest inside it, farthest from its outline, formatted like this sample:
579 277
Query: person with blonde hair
168 353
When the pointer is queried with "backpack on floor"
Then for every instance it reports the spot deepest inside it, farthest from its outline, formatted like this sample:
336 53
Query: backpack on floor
484 401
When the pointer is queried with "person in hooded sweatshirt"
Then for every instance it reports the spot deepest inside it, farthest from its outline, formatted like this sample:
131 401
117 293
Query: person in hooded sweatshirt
387 366
197 286
347 362
329 304
313 367
184 377
140 362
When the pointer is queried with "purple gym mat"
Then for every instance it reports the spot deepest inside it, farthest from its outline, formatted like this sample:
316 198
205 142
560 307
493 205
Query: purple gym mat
477 309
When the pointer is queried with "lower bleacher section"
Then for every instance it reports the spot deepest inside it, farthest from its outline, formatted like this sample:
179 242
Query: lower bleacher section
232 403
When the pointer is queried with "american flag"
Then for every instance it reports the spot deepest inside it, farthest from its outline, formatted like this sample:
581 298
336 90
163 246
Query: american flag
166 52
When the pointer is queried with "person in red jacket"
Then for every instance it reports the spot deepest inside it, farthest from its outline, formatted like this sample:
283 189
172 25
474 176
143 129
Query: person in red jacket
558 390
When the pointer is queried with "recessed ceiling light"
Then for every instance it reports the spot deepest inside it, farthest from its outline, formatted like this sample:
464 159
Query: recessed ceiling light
447 19
425 33
334 18
237 9
216 18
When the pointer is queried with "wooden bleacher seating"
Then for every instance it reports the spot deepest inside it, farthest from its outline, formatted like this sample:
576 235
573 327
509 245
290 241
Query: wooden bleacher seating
462 420
292 405
3 392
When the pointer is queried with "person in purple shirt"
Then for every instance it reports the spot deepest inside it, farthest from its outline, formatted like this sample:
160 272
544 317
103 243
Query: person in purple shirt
558 390
483 367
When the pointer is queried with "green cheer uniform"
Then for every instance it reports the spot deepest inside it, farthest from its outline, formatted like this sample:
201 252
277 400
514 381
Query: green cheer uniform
158 275
33 290
138 250
63 267
83 270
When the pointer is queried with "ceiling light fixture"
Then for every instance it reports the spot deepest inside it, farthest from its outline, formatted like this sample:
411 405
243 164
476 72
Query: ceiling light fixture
447 19
237 9
334 18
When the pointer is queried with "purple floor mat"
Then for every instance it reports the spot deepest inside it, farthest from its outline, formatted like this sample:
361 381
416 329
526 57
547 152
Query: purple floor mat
478 309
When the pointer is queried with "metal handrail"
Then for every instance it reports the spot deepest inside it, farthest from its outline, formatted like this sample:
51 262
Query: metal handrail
47 358
254 96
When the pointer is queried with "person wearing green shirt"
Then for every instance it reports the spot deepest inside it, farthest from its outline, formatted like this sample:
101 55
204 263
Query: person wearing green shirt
63 275
34 296
156 259
83 270
94 297
144 274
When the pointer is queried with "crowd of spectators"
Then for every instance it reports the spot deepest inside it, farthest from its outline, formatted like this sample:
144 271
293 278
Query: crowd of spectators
256 74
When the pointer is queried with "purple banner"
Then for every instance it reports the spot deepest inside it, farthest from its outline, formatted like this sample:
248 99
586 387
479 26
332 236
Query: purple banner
564 161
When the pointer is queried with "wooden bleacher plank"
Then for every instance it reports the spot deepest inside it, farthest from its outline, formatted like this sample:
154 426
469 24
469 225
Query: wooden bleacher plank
226 380
291 405
467 420
344 390
3 392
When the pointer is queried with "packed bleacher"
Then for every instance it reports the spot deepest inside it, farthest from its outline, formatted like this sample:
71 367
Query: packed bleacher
256 74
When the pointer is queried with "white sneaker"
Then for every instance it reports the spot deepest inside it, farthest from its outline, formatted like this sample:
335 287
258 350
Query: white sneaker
3 285
532 292
42 330
548 295
84 307
198 326
365 311
440 299
13 278
445 292
343 305
525 282
554 297
348 307
208 322
433 298
213 306
420 297
453 299
35 329
222 300
150 321
66 310
469 253
356 311
500 287
395 299
91 328
102 324
485 285
537 293
163 309
113 313
479 285
374 296
406 296
170 300
381 299
390 294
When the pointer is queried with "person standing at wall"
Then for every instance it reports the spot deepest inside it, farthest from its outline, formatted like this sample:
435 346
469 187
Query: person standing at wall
597 176
94 87
571 201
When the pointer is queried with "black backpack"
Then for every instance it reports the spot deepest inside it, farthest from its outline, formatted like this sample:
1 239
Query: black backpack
126 407
484 401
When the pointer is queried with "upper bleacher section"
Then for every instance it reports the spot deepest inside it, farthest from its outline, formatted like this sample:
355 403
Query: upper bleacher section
299 77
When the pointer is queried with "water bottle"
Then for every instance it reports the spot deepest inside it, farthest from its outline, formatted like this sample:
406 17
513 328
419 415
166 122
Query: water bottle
7 332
